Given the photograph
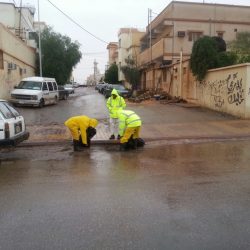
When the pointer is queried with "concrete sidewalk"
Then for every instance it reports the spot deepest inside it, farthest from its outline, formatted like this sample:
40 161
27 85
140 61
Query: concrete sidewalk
188 124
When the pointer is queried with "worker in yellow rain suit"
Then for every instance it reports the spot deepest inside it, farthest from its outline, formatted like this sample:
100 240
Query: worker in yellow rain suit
115 103
82 129
129 128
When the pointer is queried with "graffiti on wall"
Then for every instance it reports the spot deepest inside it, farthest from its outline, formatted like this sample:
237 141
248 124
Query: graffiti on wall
235 90
228 90
217 89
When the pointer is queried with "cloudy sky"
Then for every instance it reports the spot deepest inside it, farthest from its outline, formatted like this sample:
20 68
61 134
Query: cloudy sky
103 19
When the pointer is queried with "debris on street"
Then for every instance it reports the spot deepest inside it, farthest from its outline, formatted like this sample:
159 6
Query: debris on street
158 95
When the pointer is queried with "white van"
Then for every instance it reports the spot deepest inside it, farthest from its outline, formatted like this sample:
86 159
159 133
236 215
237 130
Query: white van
35 91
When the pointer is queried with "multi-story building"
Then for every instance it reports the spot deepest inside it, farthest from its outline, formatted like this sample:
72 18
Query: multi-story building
113 53
128 48
171 35
17 50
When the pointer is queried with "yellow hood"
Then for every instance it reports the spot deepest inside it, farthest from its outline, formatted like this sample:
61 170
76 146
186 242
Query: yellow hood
93 123
114 92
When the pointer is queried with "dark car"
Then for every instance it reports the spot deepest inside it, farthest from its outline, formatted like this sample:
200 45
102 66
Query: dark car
122 91
63 93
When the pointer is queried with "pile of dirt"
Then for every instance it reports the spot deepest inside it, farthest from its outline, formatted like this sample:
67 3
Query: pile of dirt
158 95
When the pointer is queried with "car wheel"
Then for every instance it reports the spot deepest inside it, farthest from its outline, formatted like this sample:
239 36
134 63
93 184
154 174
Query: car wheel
65 97
41 103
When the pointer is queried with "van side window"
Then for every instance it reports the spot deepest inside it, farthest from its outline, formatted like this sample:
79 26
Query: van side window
45 87
55 86
50 86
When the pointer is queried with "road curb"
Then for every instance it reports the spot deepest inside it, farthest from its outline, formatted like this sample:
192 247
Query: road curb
182 139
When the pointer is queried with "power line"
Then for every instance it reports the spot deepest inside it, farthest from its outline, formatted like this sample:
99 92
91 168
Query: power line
72 20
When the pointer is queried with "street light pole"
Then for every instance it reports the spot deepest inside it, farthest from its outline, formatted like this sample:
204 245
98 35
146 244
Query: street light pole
39 37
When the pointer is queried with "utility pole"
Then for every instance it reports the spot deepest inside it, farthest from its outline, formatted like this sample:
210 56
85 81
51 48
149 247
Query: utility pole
95 71
20 18
150 32
39 37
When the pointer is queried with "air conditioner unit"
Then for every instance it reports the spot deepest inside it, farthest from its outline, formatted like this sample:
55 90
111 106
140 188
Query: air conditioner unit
181 33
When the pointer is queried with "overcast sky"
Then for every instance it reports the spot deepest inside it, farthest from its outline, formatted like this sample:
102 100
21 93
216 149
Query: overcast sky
102 18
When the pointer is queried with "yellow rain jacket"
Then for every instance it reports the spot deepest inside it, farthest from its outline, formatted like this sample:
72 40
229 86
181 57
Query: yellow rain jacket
115 105
129 124
81 123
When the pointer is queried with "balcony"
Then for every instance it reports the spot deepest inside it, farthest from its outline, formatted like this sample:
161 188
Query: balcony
160 51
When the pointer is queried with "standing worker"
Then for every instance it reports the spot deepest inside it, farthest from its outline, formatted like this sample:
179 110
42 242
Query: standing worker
129 129
82 129
115 103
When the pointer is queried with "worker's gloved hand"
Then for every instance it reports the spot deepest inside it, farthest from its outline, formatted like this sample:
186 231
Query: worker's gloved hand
90 132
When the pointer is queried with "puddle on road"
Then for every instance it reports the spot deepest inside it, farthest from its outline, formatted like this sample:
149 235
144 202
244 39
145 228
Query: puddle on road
163 162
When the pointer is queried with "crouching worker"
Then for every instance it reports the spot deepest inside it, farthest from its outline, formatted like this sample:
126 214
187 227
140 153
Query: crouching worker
82 129
129 129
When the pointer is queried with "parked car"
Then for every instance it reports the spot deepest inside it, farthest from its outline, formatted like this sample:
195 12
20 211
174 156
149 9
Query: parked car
120 89
99 85
102 87
35 91
69 88
83 85
63 93
12 125
75 85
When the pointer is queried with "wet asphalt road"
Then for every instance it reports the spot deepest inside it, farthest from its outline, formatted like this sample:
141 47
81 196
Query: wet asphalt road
194 196
165 196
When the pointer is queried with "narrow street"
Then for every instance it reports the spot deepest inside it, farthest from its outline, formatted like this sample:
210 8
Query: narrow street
164 196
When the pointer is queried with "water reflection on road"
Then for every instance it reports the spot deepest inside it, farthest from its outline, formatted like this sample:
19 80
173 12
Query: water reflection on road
188 196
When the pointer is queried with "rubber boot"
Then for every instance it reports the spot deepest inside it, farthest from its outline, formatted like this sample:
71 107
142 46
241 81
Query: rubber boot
135 143
112 137
76 146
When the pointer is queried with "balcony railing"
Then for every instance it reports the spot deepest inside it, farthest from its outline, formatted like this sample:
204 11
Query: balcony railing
161 49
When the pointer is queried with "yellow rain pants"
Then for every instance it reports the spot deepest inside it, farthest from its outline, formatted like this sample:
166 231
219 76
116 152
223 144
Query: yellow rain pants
78 125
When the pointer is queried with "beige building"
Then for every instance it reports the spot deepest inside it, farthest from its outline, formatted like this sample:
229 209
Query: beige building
170 36
17 46
128 47
113 53
17 60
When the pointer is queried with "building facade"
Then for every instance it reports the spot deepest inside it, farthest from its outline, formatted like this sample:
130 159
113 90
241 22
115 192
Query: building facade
128 48
17 46
113 53
171 35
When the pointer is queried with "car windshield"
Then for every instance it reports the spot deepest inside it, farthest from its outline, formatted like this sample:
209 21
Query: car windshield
30 85
118 87
68 86
8 111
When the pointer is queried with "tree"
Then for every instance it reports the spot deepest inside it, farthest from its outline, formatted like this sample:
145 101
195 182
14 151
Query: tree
209 53
131 73
59 55
241 47
203 57
111 74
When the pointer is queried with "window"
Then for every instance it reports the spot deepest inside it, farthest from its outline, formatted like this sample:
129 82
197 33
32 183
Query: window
54 85
194 35
45 87
164 75
50 86
220 33
1 59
